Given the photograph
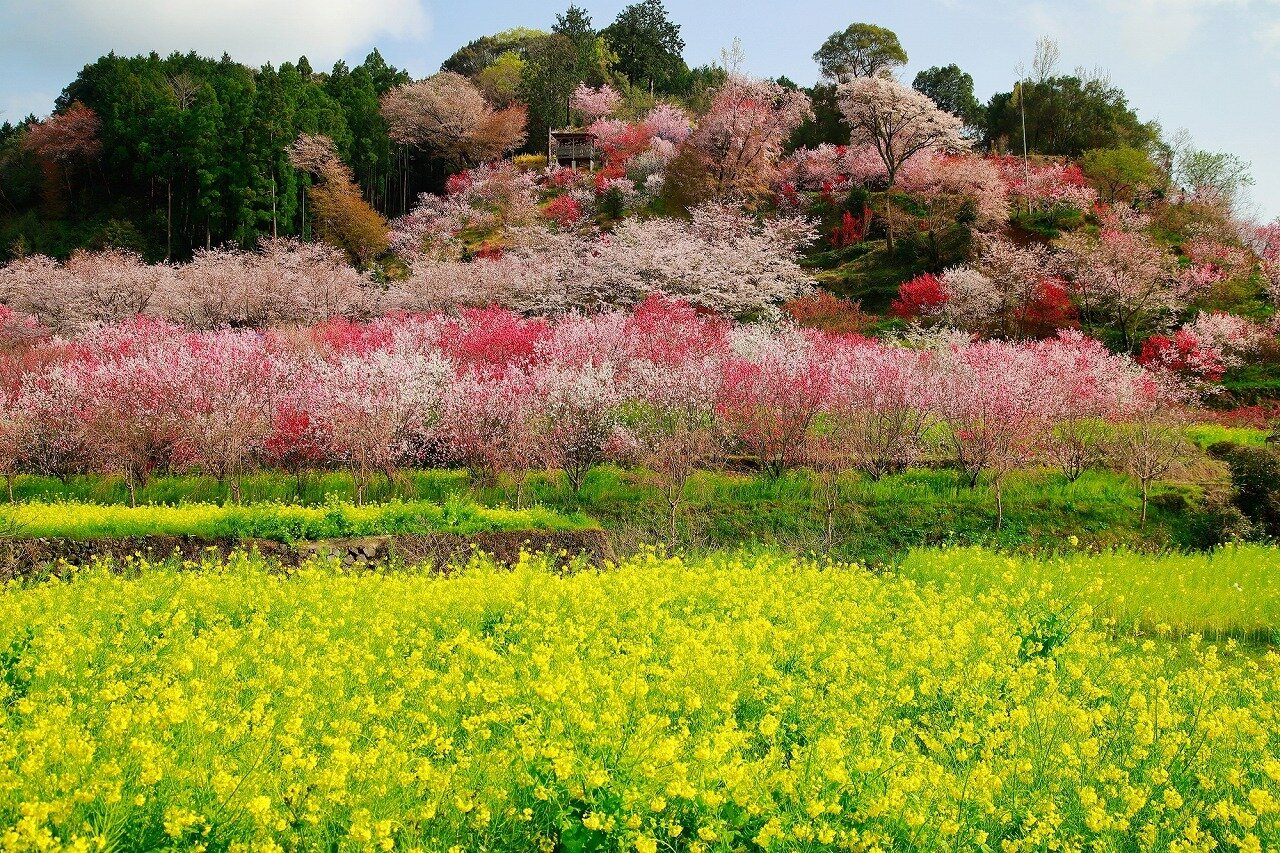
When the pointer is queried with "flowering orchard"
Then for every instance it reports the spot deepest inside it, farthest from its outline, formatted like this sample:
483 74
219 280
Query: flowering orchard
502 394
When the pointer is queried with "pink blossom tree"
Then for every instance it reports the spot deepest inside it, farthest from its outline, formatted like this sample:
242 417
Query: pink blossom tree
669 122
594 103
945 182
1124 278
90 288
130 403
736 145
1202 350
1087 387
446 113
994 407
579 419
378 410
768 399
671 379
1266 240
722 260
489 424
232 385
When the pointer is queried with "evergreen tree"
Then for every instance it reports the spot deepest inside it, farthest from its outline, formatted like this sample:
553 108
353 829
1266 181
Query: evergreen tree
648 46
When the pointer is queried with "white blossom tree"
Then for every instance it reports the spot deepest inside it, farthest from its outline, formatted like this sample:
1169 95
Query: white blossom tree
899 123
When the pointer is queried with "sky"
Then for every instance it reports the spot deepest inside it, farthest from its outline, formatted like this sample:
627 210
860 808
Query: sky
1210 66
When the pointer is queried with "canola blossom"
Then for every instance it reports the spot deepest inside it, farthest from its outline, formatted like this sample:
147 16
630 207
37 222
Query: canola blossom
732 702
277 521
1230 593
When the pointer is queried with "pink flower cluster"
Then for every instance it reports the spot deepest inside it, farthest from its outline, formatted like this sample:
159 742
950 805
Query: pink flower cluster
499 393
1047 185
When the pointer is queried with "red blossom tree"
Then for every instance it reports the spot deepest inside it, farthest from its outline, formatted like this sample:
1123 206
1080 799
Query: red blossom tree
767 402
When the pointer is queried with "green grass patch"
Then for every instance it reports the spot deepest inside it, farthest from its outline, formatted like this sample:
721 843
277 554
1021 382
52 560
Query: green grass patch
1207 435
877 520
874 520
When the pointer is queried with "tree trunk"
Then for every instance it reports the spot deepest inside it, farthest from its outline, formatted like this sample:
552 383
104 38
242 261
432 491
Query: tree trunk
888 220
9 482
831 495
168 221
999 506
674 505
1146 489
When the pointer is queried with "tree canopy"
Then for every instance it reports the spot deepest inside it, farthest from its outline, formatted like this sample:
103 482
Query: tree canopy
860 50
648 45
1067 116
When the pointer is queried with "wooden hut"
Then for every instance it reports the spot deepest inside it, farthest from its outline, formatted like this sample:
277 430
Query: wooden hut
572 149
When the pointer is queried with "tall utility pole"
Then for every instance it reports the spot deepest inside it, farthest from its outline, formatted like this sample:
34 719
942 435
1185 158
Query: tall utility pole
1026 161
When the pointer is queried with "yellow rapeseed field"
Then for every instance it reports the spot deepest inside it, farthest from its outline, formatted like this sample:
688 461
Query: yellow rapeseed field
725 703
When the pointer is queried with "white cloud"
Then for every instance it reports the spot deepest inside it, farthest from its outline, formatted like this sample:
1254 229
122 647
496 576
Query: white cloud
1151 30
251 31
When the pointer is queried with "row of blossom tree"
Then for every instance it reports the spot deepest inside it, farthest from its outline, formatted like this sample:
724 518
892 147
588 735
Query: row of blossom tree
664 386
721 260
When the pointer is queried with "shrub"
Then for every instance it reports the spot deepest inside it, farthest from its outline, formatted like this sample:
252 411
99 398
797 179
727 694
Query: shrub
1255 476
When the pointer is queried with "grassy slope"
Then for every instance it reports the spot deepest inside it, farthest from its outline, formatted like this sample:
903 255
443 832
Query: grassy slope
875 520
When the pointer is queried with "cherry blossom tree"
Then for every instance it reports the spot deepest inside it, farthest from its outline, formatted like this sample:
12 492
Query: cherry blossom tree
722 260
579 419
18 427
231 386
378 410
294 440
1045 186
130 402
285 282
64 144
1087 387
669 122
448 115
899 122
90 288
488 423
1124 278
1204 349
594 103
672 377
873 417
1266 240
736 146
885 397
944 182
994 405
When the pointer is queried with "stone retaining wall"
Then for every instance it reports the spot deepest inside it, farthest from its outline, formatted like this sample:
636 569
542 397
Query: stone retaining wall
23 557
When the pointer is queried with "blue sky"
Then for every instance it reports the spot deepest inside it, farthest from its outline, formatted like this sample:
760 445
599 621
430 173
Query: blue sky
1210 66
